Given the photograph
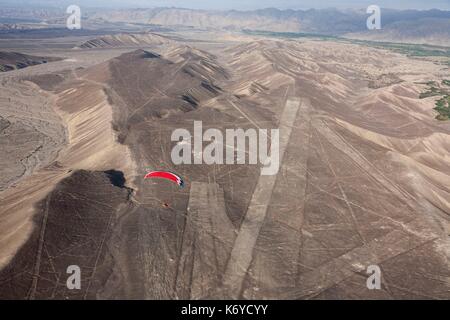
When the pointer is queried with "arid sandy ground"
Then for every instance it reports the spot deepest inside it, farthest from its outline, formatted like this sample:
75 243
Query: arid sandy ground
364 178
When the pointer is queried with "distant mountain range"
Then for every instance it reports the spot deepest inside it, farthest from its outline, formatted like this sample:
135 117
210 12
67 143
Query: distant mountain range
435 31
430 26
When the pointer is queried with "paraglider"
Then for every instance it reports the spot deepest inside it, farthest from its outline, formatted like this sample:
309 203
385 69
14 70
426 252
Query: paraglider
165 175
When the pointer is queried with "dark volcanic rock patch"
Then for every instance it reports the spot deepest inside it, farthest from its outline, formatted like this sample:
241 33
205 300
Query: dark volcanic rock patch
73 227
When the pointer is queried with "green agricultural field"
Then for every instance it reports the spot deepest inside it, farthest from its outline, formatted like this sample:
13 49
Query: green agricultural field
443 104
411 50
443 108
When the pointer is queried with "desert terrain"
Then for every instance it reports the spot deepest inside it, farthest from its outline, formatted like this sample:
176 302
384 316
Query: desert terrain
364 177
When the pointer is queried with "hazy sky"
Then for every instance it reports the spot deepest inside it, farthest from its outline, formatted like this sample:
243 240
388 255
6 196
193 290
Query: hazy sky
242 4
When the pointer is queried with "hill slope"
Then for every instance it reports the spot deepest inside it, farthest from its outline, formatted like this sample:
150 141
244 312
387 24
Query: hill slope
125 40
14 60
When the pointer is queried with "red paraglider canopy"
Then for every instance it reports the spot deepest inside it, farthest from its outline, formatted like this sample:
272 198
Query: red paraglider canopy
165 175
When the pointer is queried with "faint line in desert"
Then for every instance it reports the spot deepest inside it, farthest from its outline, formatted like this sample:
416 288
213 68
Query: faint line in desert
37 265
241 254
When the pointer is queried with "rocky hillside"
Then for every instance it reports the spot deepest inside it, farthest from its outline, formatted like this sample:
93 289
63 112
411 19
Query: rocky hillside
125 40
14 60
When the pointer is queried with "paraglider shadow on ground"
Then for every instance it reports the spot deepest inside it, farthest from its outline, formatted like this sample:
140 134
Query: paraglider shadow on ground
117 179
